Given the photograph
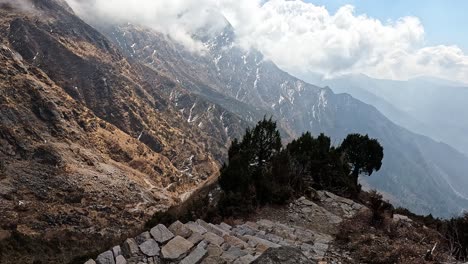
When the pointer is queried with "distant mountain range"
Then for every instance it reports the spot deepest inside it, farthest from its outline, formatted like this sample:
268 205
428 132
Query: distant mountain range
426 105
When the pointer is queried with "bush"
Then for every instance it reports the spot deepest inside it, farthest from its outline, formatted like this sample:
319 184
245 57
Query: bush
379 208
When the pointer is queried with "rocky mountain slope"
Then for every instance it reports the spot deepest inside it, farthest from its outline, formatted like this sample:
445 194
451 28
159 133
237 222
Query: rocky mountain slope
92 141
235 78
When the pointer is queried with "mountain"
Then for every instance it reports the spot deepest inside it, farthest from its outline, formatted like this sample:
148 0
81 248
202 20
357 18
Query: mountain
92 143
425 105
409 177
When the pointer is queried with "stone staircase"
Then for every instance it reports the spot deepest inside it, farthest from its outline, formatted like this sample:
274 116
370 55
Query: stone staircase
202 242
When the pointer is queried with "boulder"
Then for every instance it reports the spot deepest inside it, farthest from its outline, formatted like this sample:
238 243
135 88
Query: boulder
130 248
179 229
176 248
105 258
161 234
150 248
283 255
90 262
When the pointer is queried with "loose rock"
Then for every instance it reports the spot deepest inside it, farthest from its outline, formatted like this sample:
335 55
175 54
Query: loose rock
150 248
105 258
161 234
176 248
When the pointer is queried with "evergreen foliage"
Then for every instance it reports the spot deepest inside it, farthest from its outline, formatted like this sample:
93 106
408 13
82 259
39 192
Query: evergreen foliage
261 171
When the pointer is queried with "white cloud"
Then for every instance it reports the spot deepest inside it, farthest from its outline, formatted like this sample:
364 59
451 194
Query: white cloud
300 37
176 18
24 5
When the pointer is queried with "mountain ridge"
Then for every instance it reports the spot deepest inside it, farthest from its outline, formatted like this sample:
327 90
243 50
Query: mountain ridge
247 77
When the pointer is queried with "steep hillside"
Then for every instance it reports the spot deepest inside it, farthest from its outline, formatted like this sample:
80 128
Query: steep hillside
424 105
408 177
92 141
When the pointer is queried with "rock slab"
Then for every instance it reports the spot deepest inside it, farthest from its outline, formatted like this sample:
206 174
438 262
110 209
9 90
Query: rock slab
161 234
176 248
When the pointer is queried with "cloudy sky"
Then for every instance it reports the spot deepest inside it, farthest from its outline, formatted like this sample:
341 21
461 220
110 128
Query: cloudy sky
384 39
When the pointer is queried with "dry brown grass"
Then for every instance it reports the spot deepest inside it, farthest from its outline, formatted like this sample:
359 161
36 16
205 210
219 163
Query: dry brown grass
390 242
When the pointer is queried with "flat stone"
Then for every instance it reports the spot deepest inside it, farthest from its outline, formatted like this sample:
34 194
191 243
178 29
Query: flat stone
161 234
195 257
203 244
150 248
117 251
130 248
195 227
176 248
179 229
195 238
214 250
247 259
90 262
105 258
120 260
217 230
213 238
234 241
143 237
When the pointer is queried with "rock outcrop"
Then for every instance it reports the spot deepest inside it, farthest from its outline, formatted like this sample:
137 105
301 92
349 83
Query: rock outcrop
262 241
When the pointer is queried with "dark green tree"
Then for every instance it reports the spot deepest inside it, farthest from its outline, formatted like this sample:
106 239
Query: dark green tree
248 173
363 154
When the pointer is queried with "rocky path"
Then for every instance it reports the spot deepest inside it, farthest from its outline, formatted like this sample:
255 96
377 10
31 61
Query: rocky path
200 242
